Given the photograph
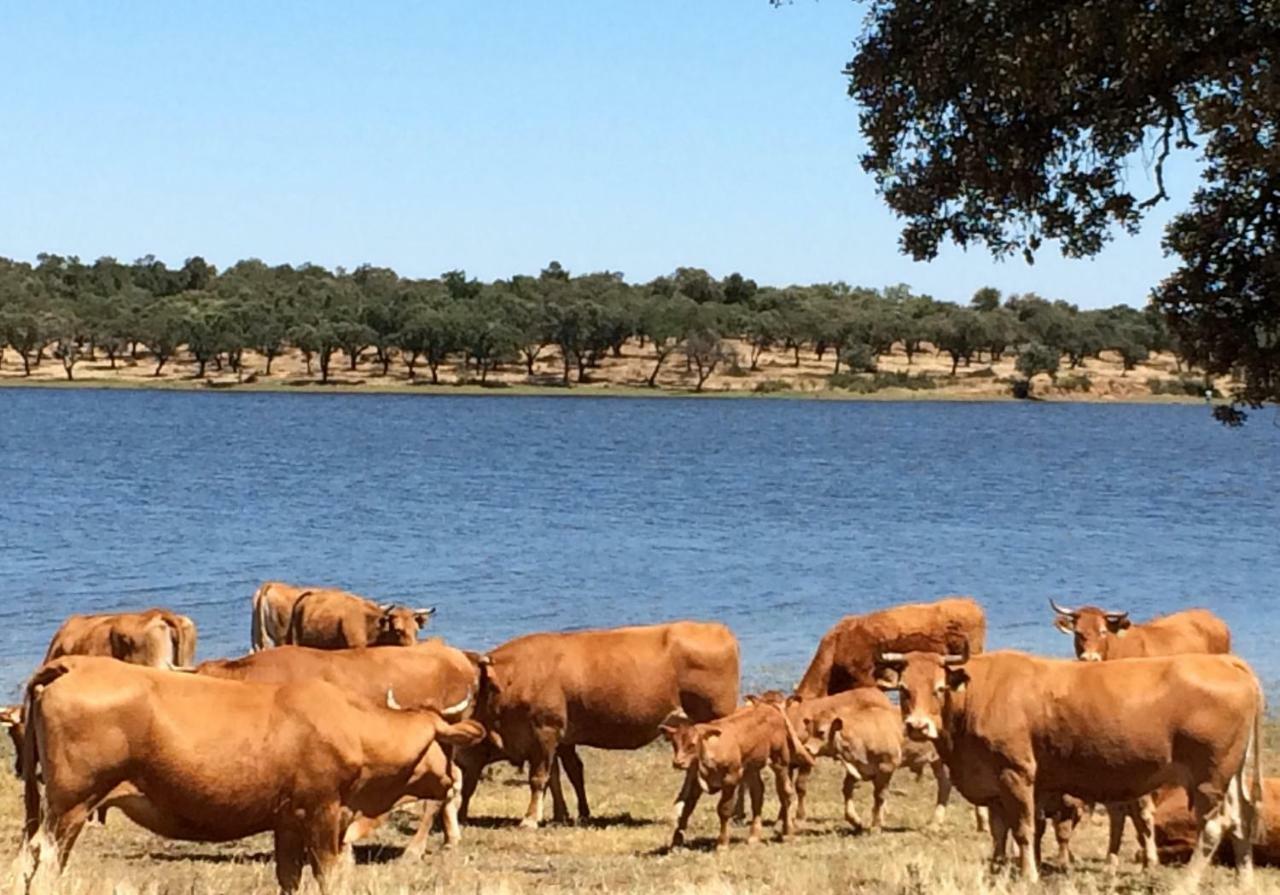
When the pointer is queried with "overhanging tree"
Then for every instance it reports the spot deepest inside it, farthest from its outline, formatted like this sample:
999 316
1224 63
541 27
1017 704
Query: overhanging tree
1009 123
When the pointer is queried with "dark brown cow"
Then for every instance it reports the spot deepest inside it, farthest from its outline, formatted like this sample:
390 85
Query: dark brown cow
1101 635
545 694
1176 825
191 757
1012 726
429 675
158 638
859 728
729 752
328 619
846 655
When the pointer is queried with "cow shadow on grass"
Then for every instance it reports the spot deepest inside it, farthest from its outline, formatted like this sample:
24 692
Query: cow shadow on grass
374 853
603 821
209 857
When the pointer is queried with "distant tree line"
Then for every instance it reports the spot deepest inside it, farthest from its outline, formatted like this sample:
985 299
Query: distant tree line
65 310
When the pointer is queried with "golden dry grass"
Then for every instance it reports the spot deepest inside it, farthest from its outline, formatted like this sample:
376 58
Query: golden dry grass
628 375
622 850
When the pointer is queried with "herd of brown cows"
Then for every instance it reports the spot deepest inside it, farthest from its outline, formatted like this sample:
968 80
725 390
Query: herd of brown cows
348 715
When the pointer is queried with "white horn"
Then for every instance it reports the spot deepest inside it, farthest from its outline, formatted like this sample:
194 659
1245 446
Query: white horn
391 701
459 708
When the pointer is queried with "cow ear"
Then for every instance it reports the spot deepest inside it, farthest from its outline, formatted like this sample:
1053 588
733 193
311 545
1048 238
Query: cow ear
833 732
888 678
1065 624
710 733
669 731
1119 623
956 679
752 699
422 616
11 716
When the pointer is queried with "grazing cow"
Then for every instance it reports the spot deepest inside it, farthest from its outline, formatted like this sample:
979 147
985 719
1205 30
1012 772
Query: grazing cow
545 694
729 752
331 619
859 728
191 757
846 655
1176 826
1012 727
1101 635
155 637
429 675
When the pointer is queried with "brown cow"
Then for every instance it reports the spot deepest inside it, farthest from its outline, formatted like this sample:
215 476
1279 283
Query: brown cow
859 728
428 675
1176 827
1103 635
190 757
729 752
1012 726
272 608
330 619
158 638
545 694
11 721
846 655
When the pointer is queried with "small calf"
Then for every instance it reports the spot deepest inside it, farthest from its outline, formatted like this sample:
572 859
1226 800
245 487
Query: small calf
719 756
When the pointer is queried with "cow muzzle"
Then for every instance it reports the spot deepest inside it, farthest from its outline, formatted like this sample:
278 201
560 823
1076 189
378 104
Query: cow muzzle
1091 656
921 728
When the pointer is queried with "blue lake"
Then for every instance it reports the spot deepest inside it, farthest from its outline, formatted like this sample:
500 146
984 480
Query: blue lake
521 514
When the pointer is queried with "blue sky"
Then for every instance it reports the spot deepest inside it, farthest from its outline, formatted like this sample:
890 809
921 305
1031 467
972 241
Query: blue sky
492 136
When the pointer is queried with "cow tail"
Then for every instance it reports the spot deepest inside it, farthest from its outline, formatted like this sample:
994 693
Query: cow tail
31 714
800 755
1255 817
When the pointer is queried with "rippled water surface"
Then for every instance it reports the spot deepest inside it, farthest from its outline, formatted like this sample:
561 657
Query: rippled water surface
522 514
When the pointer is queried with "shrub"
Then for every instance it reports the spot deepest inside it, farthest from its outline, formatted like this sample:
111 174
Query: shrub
859 358
770 386
983 373
1076 382
1185 386
863 383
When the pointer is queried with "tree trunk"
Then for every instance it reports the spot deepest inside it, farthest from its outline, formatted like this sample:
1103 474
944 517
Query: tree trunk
160 359
270 356
26 362
200 372
796 349
435 371
955 362
653 377
564 357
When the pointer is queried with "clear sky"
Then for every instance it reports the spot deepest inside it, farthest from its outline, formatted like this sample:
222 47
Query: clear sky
491 136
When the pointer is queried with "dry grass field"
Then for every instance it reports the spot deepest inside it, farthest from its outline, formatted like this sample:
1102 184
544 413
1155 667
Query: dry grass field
777 374
622 849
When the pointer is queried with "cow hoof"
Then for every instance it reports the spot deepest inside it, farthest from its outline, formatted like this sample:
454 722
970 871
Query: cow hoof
528 824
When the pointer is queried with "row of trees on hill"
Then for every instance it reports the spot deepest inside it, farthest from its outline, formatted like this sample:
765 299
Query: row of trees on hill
70 311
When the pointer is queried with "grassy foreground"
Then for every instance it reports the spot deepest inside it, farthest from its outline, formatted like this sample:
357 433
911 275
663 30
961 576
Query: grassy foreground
622 849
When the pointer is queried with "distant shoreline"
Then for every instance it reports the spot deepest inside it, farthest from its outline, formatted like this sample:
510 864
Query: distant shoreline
584 390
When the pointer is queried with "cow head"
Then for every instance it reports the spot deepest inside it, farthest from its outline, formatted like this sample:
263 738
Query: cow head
11 721
818 733
399 625
925 683
1092 629
683 736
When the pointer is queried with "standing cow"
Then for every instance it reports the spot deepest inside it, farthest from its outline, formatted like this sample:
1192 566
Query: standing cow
545 694
732 752
330 619
430 675
157 638
1014 727
847 653
1101 635
1104 636
190 757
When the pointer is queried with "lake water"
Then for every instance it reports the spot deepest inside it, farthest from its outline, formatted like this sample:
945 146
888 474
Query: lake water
524 514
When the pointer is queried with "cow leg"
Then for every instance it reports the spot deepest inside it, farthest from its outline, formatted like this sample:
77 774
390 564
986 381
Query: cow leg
542 760
324 848
1116 815
559 807
1143 813
686 801
417 846
572 764
471 763
753 783
725 811
980 817
801 784
1018 804
289 860
850 808
1064 827
878 793
782 782
943 776
1208 807
999 838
